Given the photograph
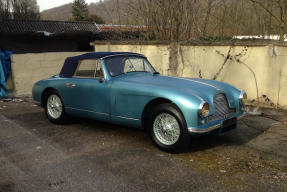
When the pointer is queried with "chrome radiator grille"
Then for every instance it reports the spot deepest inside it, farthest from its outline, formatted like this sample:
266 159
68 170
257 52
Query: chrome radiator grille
221 108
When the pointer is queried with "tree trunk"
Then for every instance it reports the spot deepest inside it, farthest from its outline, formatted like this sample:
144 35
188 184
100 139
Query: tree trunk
206 20
283 20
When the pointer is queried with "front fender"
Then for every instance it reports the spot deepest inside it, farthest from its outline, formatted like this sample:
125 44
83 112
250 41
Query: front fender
130 101
231 92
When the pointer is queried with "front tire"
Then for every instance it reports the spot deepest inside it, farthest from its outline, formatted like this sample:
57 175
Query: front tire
54 107
168 128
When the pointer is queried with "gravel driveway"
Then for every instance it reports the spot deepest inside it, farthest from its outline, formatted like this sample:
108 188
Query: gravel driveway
86 155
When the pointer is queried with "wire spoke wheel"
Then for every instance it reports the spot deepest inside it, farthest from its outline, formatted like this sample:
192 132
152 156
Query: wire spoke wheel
166 129
54 106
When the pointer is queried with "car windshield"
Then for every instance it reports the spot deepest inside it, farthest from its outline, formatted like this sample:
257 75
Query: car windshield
118 65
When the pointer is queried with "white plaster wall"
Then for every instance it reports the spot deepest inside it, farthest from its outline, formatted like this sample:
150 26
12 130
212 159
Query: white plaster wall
30 68
259 70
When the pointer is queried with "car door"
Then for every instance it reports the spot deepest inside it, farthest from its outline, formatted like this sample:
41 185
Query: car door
89 91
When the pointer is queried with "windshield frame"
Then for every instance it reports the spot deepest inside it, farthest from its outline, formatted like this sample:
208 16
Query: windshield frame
129 57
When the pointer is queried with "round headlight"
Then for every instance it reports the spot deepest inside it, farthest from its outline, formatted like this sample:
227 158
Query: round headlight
243 96
204 109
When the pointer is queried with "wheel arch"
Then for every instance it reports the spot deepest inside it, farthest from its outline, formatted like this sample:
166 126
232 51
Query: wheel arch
150 105
44 93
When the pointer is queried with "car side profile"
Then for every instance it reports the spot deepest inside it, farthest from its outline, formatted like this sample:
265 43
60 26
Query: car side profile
123 88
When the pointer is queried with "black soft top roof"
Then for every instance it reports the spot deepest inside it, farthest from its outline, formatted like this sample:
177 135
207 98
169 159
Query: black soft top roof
71 63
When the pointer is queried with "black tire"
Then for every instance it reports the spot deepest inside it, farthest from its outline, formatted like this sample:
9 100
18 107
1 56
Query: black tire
63 117
184 138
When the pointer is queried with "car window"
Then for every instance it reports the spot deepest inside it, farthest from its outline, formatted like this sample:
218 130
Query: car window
118 65
136 64
90 68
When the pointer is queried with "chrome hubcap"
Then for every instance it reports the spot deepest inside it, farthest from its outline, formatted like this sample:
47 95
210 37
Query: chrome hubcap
166 129
54 106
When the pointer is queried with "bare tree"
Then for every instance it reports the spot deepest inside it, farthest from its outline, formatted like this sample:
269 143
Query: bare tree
19 9
207 16
25 9
169 19
5 6
178 20
281 18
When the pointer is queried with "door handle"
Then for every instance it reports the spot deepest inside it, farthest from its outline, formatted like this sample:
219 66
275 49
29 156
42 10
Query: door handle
70 85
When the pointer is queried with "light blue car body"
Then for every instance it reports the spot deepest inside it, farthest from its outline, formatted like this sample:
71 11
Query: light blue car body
124 98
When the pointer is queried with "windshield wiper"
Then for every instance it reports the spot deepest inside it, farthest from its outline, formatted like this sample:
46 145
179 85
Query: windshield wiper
156 73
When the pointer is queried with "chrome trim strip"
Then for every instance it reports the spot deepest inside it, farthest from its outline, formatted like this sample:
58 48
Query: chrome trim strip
70 85
199 83
203 83
106 114
194 94
126 118
128 54
196 130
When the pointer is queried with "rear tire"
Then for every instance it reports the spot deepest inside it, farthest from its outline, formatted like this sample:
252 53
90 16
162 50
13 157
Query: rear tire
54 107
168 129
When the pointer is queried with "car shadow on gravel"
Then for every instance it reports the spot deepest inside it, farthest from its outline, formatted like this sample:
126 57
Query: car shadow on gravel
6 187
248 128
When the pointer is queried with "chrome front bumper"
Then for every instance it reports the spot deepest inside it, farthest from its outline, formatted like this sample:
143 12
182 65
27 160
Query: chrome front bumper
217 125
209 129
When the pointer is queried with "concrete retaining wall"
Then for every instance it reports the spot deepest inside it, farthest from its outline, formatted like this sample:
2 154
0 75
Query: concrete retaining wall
30 68
260 70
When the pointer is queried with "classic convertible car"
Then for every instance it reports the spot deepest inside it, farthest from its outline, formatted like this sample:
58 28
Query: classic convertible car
124 88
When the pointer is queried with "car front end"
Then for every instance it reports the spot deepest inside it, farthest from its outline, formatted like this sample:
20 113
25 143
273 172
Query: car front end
219 117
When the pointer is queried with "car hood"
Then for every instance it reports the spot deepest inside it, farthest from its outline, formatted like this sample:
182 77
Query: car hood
205 89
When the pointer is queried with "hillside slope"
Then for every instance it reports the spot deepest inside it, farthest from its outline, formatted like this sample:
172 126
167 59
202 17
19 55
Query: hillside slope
61 13
105 9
